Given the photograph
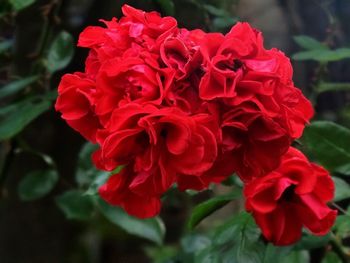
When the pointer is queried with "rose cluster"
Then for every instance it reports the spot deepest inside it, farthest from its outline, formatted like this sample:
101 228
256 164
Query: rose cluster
185 107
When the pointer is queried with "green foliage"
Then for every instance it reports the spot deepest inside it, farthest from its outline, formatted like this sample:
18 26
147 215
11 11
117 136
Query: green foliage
331 86
342 189
329 142
61 52
309 43
75 205
16 86
208 207
152 229
37 184
167 7
18 5
15 117
5 45
331 257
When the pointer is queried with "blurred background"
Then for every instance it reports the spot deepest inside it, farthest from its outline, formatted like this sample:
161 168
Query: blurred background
48 220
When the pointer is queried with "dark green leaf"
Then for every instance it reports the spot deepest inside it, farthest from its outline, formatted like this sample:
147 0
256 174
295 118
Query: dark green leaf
75 205
342 226
329 142
17 85
213 10
151 229
275 254
332 86
331 257
220 23
344 169
5 45
309 241
309 43
323 55
342 189
167 7
37 184
21 4
235 241
206 208
60 52
15 117
194 243
298 256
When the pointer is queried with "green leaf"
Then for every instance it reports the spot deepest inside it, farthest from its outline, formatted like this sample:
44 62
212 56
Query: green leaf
323 55
331 257
167 6
343 170
276 254
15 117
342 189
5 45
21 4
220 23
309 43
17 85
194 243
332 86
298 256
213 10
61 52
206 208
342 226
329 142
152 228
309 241
235 241
37 184
75 205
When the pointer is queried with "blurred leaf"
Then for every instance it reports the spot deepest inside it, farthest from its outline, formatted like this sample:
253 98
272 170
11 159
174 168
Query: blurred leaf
161 254
342 226
332 86
17 85
75 205
344 169
194 243
235 241
331 257
309 241
299 256
152 228
15 117
329 142
309 43
99 181
275 254
5 45
208 207
323 55
220 23
87 173
60 52
213 10
342 189
21 4
37 184
167 7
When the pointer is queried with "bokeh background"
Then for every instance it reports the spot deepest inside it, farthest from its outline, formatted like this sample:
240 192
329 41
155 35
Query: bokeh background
38 231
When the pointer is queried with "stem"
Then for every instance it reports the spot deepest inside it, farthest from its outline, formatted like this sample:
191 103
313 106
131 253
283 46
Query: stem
340 208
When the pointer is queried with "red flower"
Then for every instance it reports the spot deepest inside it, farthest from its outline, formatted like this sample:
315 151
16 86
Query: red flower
292 196
118 191
76 101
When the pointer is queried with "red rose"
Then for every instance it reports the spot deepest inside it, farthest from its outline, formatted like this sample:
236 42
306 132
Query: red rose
117 191
292 196
127 79
76 102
